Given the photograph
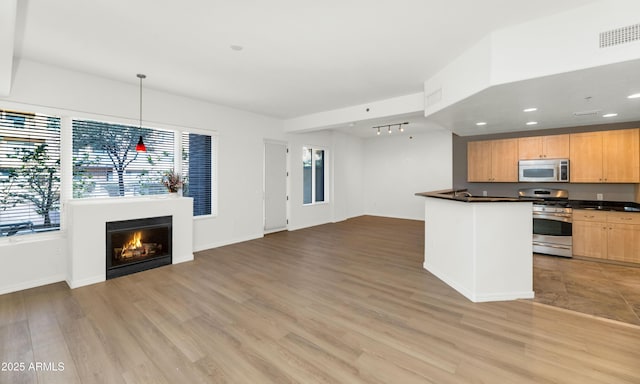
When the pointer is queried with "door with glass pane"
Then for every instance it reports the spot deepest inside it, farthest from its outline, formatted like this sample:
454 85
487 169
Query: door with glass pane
275 186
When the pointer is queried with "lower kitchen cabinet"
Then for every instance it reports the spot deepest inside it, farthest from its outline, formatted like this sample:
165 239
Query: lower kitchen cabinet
589 233
607 235
623 242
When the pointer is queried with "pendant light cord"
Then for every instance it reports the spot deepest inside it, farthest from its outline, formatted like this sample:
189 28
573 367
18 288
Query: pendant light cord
140 147
141 76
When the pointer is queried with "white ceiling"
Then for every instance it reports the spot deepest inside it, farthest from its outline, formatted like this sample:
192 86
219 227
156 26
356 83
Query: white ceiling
299 56
591 93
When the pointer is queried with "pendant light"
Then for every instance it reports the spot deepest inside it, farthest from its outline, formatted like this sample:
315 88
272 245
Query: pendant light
140 147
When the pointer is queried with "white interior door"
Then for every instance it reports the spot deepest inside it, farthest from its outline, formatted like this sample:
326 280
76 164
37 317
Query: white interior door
275 186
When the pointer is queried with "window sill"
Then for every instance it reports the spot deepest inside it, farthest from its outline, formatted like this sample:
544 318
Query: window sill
32 238
205 217
316 203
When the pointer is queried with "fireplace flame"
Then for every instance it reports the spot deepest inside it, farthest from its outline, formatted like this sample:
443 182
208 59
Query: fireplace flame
133 244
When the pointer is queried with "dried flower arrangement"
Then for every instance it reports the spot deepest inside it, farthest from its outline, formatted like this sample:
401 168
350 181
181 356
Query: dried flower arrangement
172 180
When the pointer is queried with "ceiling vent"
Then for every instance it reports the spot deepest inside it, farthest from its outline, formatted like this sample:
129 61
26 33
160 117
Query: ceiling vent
587 113
620 36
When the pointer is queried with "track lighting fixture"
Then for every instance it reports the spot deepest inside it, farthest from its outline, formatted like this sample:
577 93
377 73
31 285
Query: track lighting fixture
389 126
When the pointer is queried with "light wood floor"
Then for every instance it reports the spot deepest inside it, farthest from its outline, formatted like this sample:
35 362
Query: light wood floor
338 303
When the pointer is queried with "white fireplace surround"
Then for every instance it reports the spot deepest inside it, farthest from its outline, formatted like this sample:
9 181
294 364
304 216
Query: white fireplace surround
87 218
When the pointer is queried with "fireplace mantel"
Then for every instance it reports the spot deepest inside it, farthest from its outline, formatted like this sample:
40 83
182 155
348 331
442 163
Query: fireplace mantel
86 220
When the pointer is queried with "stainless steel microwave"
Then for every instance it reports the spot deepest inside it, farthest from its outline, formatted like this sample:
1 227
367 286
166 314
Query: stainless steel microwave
544 171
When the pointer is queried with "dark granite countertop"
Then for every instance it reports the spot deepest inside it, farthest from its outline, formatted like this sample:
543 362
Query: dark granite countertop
463 195
620 206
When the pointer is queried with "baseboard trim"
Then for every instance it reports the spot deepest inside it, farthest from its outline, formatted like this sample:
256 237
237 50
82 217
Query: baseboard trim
227 242
182 259
464 291
478 297
73 284
32 284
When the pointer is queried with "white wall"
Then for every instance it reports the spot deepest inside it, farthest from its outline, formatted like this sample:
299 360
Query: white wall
563 42
7 37
344 162
27 263
348 173
40 88
467 74
396 167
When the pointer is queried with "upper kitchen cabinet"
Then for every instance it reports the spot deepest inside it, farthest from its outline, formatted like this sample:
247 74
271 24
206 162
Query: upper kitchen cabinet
492 161
605 157
543 147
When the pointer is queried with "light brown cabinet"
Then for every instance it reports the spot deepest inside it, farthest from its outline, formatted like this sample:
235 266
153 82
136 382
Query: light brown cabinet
607 235
594 157
589 233
543 147
605 157
492 161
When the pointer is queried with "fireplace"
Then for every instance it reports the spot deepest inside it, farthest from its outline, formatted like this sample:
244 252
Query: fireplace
137 245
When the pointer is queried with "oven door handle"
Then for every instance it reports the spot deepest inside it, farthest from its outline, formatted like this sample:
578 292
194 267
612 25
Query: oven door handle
552 245
565 217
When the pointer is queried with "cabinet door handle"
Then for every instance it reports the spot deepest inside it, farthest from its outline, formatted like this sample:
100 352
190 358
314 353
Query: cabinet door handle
626 218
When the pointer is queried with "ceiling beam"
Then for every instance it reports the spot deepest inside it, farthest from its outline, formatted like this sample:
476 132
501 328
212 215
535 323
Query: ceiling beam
395 106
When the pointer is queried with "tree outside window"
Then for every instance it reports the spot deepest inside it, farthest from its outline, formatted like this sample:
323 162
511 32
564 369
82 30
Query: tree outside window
29 173
313 175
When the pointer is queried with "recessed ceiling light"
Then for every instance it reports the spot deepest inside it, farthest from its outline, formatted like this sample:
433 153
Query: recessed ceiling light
481 123
610 115
532 122
236 47
634 96
530 109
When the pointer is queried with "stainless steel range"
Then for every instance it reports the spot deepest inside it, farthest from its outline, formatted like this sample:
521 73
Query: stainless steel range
552 221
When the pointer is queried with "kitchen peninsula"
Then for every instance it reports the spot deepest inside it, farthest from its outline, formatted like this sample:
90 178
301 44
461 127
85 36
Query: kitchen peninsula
480 246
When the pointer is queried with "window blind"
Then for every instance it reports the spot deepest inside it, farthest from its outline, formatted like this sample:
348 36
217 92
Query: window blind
29 173
199 172
105 162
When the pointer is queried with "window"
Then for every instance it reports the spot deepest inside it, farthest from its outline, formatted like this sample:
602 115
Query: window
198 172
313 175
29 173
105 162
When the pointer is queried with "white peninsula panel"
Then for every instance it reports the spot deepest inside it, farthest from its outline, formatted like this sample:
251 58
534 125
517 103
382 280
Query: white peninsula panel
481 249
